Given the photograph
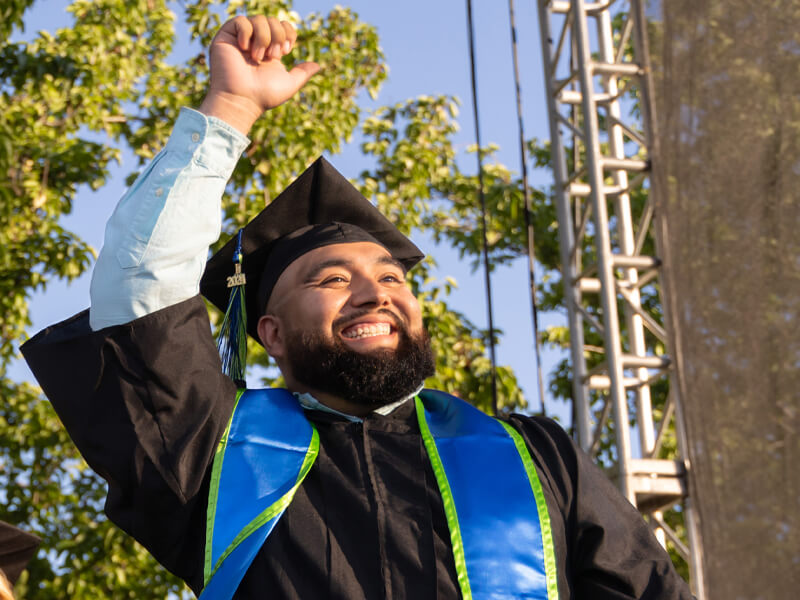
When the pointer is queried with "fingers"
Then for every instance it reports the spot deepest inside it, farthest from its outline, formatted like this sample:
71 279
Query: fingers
278 35
260 37
291 36
243 30
263 38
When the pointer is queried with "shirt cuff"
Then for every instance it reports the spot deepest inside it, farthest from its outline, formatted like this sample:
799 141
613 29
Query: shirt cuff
213 143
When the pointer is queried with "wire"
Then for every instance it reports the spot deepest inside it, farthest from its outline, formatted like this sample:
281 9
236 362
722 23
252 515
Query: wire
528 208
485 244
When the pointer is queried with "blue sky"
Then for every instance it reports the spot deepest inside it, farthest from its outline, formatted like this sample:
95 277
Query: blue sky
425 43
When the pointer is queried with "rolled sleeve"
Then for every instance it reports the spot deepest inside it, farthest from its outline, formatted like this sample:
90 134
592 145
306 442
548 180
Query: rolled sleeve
156 242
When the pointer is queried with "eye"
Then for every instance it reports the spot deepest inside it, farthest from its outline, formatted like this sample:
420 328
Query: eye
391 278
333 279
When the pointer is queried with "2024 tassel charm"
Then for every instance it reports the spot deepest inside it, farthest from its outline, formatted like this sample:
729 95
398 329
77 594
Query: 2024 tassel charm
232 341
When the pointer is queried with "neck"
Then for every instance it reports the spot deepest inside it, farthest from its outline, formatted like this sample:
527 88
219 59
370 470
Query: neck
309 400
341 405
336 403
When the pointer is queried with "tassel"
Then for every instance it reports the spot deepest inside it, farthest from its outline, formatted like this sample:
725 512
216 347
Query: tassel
232 341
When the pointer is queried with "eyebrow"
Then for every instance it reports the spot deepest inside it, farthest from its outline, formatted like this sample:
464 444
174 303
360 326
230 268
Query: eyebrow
340 262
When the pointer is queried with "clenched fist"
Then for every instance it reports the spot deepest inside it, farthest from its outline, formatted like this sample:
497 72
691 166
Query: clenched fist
247 75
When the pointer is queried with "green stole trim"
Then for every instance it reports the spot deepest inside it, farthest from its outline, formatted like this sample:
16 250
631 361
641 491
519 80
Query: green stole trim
541 507
450 507
447 500
210 566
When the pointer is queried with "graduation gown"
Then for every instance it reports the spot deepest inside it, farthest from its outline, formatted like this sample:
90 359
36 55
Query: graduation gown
146 403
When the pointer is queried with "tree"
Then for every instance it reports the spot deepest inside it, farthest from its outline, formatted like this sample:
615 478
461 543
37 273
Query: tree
72 98
57 92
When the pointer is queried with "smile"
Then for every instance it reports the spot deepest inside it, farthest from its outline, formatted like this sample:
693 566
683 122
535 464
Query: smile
365 330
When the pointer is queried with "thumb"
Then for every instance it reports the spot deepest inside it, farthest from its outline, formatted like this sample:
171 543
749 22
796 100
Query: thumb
301 73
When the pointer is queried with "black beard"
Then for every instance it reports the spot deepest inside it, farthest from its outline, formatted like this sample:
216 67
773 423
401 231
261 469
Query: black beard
374 379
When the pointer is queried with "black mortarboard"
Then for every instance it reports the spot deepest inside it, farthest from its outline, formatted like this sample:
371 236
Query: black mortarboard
319 208
16 549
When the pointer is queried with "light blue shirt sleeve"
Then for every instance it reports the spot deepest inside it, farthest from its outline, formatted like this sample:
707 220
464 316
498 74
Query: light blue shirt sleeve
156 241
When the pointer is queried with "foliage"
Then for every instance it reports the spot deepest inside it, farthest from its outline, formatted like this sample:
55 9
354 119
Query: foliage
417 182
50 490
59 92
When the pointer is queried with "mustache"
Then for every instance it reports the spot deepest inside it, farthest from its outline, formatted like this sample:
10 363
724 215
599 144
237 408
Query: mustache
342 322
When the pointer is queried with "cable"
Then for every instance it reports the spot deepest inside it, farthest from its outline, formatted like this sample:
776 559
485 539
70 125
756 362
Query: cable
528 208
485 243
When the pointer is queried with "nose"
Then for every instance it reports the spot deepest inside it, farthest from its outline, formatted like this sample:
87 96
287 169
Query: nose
365 291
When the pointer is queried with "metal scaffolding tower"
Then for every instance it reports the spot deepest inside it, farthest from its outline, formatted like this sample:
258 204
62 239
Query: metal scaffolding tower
598 78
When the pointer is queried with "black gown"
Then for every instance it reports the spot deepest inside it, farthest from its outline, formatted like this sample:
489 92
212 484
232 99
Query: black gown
146 403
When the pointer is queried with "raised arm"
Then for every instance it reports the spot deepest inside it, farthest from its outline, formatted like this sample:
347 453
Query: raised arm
145 400
156 242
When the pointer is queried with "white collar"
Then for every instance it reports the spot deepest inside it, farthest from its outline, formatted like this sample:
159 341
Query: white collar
308 402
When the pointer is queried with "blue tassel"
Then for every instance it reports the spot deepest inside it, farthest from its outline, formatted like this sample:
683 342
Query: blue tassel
232 341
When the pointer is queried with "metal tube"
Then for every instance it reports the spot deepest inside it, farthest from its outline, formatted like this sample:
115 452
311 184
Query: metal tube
566 238
605 261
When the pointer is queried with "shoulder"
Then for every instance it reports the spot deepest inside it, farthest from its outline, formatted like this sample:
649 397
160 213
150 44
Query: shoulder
542 430
557 457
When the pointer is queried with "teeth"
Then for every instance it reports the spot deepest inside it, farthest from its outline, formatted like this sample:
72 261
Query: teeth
365 331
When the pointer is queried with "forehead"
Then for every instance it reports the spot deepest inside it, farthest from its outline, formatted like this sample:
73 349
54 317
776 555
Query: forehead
347 255
354 253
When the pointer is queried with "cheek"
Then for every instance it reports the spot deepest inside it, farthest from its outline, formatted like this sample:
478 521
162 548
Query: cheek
413 312
320 310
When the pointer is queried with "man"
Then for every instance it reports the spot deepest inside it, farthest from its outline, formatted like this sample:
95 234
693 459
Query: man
370 490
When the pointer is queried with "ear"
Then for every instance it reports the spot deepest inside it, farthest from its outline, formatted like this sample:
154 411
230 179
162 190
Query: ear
270 332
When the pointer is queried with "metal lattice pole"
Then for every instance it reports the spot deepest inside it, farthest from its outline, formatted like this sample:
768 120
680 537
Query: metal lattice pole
601 157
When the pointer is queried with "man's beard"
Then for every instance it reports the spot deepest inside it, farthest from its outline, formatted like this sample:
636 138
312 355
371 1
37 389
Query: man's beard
373 379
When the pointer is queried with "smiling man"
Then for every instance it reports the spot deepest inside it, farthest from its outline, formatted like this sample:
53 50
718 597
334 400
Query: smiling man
352 483
360 343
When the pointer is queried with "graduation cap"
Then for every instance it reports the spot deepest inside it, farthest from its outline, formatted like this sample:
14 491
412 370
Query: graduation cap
17 548
318 209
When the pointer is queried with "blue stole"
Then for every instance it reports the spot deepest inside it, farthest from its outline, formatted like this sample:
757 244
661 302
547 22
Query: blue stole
493 500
